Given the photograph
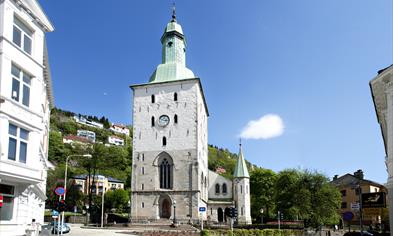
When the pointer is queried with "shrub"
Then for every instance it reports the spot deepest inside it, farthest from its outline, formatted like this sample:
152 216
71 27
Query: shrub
205 233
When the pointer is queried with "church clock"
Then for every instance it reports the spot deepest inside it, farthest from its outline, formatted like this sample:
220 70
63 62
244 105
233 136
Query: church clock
163 120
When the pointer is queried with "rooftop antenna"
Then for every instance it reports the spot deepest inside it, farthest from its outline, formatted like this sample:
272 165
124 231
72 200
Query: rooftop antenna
173 13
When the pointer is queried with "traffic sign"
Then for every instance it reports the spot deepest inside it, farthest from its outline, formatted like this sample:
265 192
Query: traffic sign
55 213
355 206
348 216
59 191
202 209
1 200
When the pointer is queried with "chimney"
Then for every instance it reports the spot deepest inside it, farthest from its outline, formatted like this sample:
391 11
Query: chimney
359 174
335 177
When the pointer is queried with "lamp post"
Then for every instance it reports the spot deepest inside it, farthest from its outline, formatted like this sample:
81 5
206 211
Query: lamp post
102 207
65 182
129 206
261 211
359 188
174 212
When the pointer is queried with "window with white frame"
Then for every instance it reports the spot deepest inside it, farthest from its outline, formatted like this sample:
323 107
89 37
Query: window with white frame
8 202
17 143
22 36
21 83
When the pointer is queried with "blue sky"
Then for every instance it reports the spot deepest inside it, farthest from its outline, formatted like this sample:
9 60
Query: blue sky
306 62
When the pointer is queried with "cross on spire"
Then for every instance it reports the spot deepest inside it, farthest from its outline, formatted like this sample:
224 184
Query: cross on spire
173 13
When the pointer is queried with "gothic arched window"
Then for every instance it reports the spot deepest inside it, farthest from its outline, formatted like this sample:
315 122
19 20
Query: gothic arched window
152 121
166 175
175 97
217 189
224 188
175 119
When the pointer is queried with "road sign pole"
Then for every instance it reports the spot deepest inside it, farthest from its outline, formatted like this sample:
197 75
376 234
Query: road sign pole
201 221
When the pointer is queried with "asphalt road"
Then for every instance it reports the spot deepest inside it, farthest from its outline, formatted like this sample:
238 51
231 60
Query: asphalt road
76 230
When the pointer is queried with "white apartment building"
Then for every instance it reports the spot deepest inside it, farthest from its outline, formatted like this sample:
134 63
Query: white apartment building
90 135
382 93
115 140
84 121
25 102
120 129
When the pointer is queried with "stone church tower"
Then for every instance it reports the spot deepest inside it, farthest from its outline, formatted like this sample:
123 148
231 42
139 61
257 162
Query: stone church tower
169 171
241 190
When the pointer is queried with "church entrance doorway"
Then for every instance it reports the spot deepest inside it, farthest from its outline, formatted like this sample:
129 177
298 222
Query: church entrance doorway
220 215
165 209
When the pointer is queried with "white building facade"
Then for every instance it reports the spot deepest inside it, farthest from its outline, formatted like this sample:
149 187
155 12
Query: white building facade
25 103
120 129
170 173
115 140
382 93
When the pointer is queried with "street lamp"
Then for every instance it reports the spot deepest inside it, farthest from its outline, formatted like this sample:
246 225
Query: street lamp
102 207
66 167
174 212
129 209
261 211
65 181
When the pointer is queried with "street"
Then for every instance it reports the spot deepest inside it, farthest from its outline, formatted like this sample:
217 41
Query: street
76 230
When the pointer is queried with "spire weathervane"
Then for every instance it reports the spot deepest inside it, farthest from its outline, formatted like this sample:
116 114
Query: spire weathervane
173 13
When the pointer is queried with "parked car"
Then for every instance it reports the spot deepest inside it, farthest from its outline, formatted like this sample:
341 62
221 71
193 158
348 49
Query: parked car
55 227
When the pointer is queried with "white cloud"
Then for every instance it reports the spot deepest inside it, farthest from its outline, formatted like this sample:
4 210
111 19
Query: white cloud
266 127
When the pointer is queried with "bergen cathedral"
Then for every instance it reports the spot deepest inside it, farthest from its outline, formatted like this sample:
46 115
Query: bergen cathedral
170 169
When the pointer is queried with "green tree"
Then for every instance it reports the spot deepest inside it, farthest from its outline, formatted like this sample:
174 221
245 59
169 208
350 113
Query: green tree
117 199
325 199
262 183
57 151
286 192
305 195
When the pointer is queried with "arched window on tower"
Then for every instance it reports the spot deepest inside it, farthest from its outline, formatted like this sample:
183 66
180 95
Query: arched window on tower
217 189
224 188
166 171
175 97
152 121
175 119
164 141
153 98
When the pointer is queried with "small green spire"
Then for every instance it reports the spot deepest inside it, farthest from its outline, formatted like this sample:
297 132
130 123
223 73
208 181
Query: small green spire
241 170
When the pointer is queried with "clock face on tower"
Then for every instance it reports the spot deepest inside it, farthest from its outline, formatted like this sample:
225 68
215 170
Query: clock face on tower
163 120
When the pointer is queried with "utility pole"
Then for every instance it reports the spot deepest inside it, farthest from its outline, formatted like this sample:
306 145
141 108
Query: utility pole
278 217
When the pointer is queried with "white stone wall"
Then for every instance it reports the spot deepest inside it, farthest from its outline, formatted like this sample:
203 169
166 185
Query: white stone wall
214 179
28 179
389 161
183 145
242 200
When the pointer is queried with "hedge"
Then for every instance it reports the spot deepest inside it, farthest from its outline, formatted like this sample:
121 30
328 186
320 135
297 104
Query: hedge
253 232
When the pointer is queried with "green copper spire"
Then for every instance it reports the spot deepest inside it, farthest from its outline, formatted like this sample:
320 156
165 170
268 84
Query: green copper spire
241 167
173 66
